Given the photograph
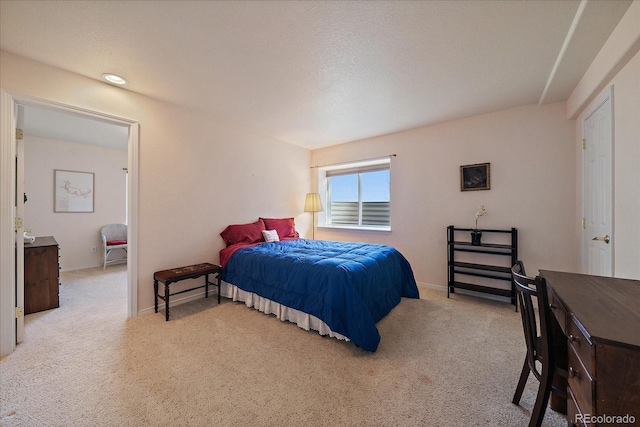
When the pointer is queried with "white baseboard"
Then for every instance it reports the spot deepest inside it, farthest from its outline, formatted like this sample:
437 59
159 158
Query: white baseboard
190 298
174 302
482 295
63 270
464 292
431 286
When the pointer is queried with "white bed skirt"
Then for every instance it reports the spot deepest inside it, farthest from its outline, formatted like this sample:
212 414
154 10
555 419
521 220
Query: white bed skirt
303 320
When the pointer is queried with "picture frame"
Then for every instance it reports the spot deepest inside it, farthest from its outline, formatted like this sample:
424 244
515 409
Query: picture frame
73 191
475 177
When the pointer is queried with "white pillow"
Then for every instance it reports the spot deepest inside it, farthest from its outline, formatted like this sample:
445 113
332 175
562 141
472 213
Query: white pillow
270 236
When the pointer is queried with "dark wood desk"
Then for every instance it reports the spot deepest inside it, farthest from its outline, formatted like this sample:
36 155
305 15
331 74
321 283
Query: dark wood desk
600 316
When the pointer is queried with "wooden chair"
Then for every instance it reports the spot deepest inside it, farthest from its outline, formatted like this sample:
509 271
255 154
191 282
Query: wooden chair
114 236
542 348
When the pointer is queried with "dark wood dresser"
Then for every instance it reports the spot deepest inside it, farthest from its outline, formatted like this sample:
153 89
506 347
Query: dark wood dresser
600 316
41 275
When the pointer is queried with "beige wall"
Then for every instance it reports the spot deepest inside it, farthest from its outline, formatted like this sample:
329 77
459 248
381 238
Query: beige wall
626 169
532 156
618 65
197 175
75 232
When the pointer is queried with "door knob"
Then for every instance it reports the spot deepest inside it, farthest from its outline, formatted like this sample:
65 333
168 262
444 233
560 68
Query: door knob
606 238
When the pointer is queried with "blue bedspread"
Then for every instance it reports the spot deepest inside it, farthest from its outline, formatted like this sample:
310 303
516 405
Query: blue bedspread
349 286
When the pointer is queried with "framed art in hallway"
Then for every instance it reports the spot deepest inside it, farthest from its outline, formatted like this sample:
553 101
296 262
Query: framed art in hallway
475 177
73 191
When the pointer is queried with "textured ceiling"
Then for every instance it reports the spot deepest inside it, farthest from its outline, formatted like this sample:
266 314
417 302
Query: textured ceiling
318 73
69 127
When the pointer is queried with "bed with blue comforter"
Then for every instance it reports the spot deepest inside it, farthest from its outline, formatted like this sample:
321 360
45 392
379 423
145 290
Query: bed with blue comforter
349 286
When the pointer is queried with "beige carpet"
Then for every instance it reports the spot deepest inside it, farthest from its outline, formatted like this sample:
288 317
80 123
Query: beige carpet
441 362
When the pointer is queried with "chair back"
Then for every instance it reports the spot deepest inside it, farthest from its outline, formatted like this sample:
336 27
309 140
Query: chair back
539 347
111 232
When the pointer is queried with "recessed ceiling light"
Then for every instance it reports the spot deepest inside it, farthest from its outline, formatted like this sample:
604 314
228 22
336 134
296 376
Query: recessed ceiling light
113 78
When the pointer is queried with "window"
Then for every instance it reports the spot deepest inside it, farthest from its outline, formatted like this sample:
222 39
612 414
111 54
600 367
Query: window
359 196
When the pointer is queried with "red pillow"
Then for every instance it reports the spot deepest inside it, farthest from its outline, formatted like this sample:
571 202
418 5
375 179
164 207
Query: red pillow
284 226
243 233
116 242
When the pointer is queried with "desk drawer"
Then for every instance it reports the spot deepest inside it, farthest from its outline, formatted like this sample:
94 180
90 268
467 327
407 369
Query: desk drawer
558 309
581 344
580 382
574 415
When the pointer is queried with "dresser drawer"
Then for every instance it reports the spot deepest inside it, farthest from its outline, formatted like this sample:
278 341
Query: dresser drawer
582 345
558 309
581 384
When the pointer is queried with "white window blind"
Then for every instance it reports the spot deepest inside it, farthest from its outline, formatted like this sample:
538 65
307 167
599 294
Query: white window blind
359 195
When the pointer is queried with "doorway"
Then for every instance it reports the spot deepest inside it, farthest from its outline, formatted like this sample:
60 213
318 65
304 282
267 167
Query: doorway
58 145
10 225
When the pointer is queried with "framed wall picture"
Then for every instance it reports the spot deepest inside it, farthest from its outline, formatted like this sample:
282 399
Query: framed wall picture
475 177
73 191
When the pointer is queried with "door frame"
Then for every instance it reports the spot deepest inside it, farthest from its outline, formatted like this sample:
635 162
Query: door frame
605 95
8 106
19 213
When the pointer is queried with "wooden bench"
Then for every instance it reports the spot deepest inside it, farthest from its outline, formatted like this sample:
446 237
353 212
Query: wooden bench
167 277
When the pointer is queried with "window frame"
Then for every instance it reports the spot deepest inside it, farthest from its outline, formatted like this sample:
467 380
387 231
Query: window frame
324 175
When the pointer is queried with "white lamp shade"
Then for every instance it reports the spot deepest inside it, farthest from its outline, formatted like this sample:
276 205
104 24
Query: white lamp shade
313 203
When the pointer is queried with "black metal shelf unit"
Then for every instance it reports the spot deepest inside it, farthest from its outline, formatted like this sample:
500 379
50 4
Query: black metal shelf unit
493 271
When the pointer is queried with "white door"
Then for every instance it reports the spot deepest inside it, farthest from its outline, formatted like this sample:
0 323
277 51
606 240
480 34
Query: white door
20 230
598 189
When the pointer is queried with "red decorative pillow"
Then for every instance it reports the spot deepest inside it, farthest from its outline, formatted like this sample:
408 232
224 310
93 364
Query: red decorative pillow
284 226
116 242
243 233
